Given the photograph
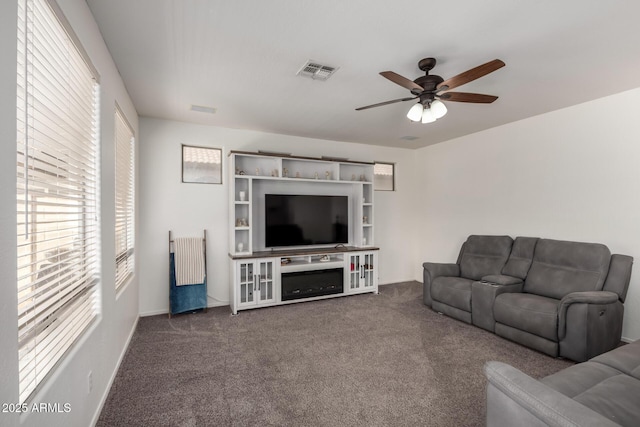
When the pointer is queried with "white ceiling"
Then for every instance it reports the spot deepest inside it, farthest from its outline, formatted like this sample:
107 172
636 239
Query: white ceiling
241 57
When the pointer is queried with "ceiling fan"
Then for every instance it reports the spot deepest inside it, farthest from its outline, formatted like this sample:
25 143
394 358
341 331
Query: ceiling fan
431 90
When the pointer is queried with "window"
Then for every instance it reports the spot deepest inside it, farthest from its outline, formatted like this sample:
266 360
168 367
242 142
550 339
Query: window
384 176
57 191
125 216
201 165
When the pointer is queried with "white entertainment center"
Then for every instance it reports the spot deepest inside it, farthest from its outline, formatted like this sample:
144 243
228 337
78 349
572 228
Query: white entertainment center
265 276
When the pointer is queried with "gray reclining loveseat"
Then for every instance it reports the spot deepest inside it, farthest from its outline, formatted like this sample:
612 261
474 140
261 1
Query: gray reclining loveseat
561 298
605 391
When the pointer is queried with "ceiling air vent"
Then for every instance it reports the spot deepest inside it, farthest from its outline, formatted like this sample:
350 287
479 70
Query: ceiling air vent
317 71
203 109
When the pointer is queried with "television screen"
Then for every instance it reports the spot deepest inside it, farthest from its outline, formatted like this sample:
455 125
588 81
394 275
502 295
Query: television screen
305 220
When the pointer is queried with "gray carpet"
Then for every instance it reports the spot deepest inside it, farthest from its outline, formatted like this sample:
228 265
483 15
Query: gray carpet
366 360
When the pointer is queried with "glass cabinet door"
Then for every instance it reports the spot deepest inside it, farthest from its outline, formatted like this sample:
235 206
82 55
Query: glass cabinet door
361 272
246 285
368 271
265 281
354 272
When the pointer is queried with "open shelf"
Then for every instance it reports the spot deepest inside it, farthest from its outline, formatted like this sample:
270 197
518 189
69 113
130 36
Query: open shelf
311 262
309 169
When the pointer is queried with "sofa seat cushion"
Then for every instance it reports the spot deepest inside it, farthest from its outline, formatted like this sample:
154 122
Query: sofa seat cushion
617 398
625 359
453 291
579 378
607 384
534 314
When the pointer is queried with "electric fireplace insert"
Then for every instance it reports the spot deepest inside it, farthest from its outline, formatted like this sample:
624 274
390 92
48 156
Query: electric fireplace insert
306 284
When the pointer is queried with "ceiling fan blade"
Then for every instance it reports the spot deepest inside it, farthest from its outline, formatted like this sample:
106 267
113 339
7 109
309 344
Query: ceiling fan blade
471 75
402 81
380 104
467 97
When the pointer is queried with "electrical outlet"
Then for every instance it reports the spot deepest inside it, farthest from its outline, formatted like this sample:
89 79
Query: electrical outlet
90 382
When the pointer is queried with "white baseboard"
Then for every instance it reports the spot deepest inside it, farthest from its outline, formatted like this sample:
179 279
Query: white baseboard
396 281
96 416
154 312
165 311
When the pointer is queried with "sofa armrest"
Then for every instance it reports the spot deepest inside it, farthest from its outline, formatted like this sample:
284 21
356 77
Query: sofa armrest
437 269
433 270
590 297
514 398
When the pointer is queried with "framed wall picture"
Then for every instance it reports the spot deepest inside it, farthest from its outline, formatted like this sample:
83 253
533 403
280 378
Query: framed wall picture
201 165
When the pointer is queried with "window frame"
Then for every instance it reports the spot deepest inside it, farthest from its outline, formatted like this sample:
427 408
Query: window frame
203 178
393 176
126 256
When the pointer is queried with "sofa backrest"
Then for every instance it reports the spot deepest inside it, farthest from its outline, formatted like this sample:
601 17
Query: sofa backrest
560 267
521 257
484 255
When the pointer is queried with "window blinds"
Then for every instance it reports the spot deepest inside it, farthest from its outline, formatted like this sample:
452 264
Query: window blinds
57 200
125 215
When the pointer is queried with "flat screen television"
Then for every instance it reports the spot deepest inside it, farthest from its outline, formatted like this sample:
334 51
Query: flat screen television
306 220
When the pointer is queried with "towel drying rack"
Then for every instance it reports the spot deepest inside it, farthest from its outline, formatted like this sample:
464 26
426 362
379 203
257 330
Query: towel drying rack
188 297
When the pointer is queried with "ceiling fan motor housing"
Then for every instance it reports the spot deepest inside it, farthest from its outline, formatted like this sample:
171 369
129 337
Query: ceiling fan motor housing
428 83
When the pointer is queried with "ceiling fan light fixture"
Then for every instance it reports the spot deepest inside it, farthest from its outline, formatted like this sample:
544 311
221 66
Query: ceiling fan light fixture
415 113
438 108
428 116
